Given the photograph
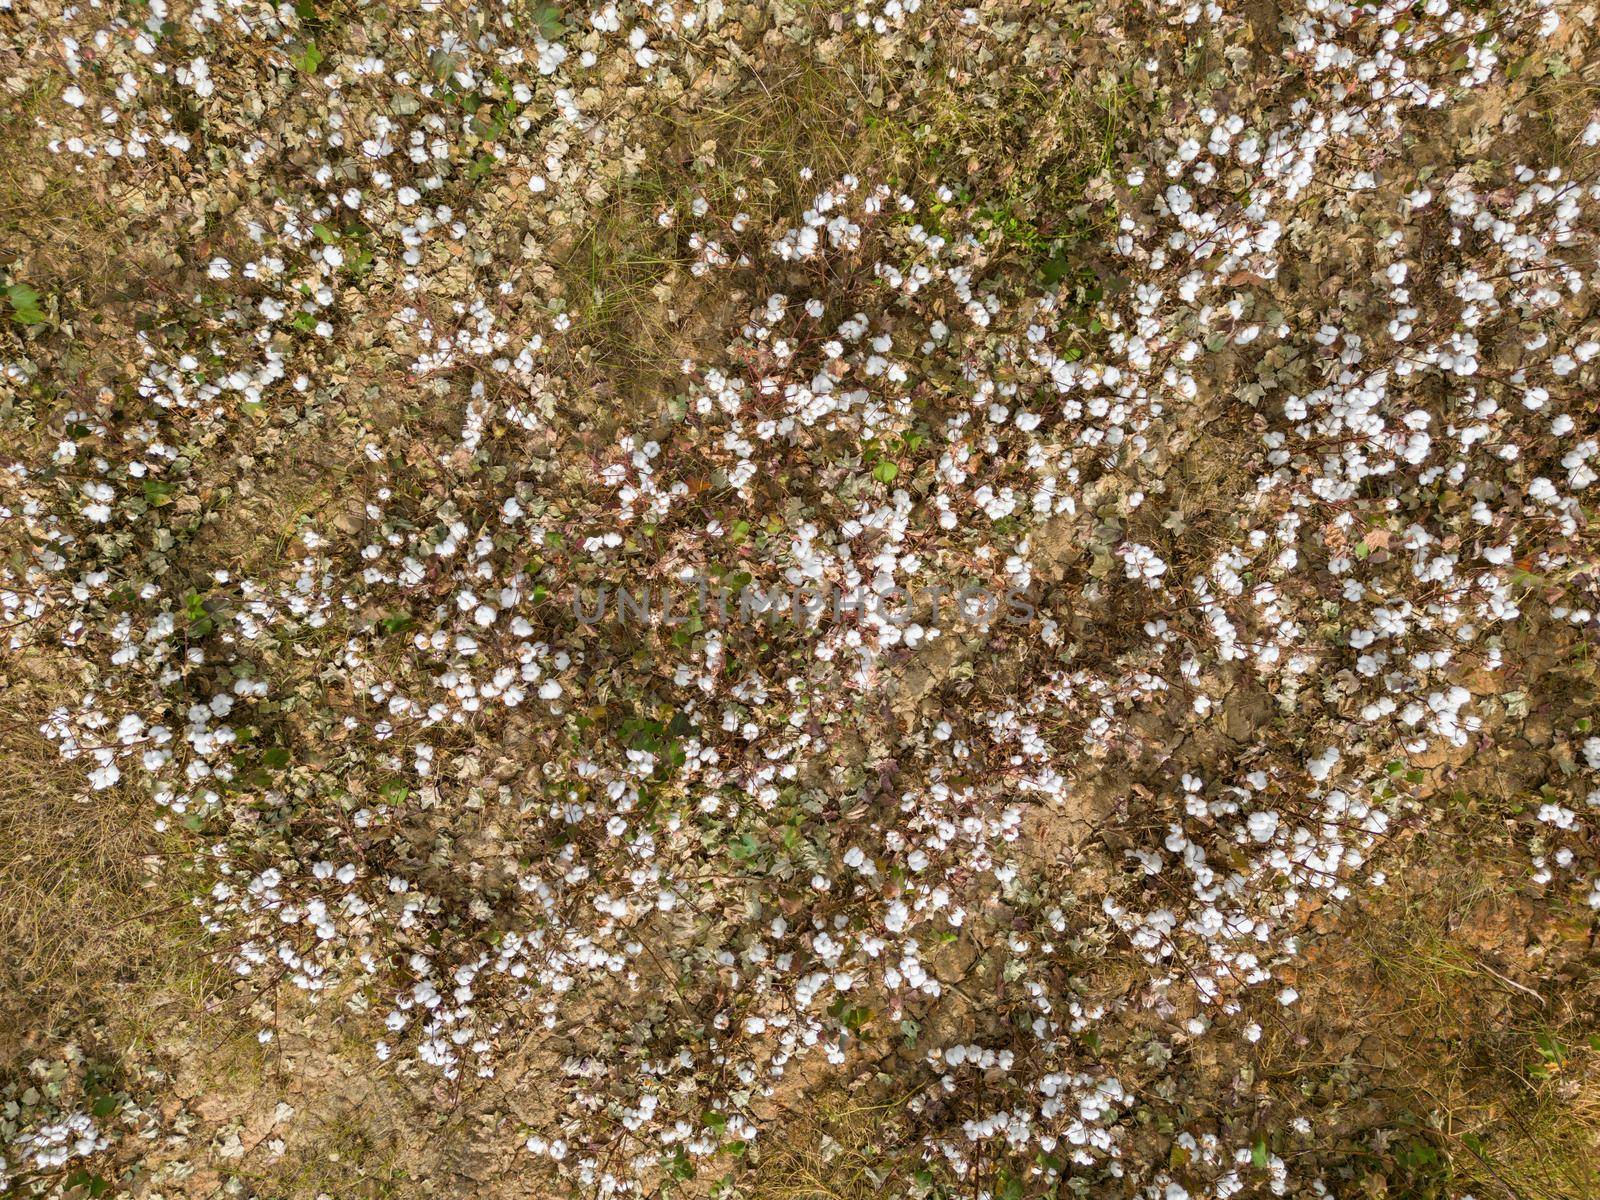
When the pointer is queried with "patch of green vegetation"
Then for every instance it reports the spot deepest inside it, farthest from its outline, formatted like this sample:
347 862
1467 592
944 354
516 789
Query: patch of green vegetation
25 305
1042 145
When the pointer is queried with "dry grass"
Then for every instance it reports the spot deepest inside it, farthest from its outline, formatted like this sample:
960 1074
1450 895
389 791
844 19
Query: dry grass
1445 1042
48 220
637 310
76 243
839 1148
88 933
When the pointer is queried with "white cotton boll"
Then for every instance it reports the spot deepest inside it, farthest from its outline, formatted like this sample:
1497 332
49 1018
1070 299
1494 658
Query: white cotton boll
1320 767
199 78
1263 825
551 56
895 919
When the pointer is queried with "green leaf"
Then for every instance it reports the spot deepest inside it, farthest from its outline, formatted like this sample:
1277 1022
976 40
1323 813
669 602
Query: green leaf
158 493
1055 270
200 622
1552 1050
395 623
309 59
679 1166
277 758
548 18
444 64
25 308
885 471
1258 1153
93 1185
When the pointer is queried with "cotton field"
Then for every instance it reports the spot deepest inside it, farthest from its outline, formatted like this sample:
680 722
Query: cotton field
786 600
